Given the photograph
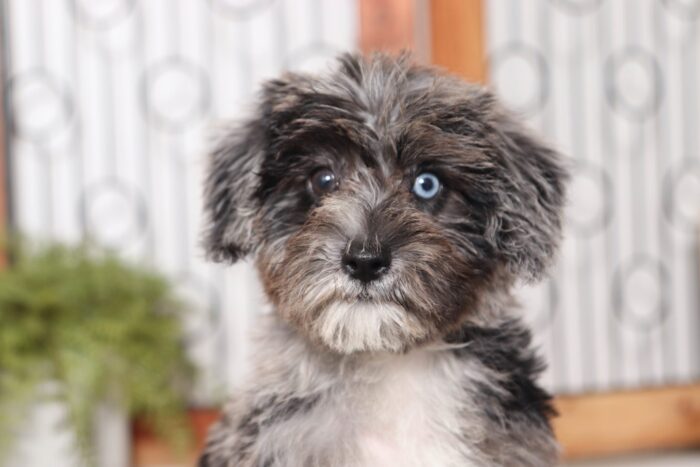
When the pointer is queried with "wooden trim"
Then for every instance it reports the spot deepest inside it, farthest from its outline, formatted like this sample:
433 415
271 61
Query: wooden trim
387 25
150 451
629 421
457 38
588 426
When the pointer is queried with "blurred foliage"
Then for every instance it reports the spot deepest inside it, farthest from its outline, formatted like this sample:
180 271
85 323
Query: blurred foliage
81 326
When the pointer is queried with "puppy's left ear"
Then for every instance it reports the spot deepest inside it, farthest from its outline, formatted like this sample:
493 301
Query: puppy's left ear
532 199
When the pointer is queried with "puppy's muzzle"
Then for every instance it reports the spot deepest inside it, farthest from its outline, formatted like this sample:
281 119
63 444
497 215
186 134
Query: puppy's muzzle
366 263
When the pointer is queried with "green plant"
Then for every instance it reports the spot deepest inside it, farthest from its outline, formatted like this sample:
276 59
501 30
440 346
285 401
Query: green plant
96 328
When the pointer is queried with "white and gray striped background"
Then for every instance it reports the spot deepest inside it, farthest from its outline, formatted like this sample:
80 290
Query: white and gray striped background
614 85
109 102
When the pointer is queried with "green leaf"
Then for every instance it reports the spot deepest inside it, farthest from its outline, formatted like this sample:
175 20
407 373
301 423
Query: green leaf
101 328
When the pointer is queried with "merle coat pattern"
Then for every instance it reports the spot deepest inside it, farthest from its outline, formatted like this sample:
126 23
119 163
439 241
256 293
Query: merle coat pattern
427 363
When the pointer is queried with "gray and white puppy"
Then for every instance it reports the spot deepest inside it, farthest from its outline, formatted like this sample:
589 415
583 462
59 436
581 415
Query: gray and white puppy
389 210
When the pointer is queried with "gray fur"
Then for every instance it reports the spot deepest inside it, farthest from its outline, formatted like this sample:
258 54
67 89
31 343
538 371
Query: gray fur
427 365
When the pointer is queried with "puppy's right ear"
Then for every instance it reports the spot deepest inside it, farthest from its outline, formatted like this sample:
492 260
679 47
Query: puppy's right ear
229 192
231 204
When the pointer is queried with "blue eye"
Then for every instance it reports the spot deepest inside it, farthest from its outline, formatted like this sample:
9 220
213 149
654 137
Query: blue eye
426 186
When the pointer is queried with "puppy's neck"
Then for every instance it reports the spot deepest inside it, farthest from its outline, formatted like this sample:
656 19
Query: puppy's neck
439 400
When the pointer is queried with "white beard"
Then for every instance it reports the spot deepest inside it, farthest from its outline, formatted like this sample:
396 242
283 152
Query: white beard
364 326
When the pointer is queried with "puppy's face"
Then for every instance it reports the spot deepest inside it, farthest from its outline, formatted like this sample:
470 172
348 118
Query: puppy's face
382 202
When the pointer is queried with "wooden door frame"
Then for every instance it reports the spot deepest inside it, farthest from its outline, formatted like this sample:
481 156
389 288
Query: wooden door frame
458 38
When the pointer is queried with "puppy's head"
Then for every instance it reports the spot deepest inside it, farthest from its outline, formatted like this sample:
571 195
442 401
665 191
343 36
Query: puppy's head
382 202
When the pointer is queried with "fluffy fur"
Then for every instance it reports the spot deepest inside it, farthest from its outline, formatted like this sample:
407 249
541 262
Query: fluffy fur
426 365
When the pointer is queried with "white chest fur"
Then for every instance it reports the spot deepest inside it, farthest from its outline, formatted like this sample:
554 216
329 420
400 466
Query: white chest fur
429 407
393 410
409 411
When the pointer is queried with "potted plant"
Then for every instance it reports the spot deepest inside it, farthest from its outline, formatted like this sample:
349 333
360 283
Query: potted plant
95 335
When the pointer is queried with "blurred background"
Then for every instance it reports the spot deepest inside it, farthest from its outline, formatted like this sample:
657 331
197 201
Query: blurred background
105 117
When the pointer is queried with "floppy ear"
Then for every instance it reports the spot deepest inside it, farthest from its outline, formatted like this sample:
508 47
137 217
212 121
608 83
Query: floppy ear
229 192
532 200
231 203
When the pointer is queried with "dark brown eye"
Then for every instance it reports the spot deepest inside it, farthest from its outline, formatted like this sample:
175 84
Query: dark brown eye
321 182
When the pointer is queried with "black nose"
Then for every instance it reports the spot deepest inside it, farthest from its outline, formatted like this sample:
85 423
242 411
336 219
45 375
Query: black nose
366 263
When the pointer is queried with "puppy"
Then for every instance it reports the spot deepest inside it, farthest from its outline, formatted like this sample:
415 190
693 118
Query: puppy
389 210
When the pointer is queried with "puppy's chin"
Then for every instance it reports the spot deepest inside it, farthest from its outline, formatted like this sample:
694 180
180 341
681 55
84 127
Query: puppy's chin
363 326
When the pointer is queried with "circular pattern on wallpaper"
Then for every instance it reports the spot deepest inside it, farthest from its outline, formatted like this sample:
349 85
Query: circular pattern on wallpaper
529 65
102 14
681 195
633 83
590 205
113 213
41 105
539 302
202 318
640 293
676 25
687 10
175 93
